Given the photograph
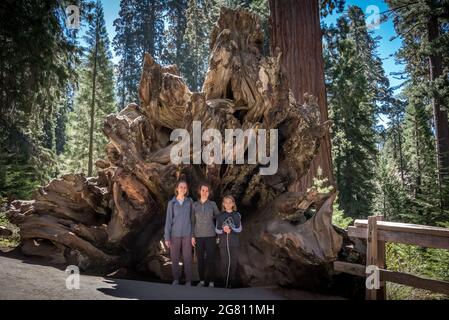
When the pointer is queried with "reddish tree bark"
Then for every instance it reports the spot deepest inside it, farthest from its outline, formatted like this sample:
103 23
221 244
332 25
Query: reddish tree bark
439 115
296 31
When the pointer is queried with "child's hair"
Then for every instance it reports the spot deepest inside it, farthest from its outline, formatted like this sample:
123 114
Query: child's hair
177 185
234 207
204 184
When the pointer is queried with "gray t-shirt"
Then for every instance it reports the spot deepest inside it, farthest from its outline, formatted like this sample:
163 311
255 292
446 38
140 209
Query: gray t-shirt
203 218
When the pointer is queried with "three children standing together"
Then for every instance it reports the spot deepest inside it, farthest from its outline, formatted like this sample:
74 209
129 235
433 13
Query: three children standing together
197 224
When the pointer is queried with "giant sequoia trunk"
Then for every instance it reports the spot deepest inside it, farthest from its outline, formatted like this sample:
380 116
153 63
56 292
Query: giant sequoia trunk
116 219
296 31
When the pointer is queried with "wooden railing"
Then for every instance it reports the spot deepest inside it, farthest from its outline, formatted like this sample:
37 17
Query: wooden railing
377 233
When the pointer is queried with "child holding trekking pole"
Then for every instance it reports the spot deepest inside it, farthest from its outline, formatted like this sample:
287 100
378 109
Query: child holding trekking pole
228 226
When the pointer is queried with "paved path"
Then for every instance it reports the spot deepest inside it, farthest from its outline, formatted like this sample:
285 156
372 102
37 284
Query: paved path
24 279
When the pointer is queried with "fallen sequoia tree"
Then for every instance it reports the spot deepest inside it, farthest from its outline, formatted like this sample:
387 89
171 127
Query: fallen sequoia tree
115 220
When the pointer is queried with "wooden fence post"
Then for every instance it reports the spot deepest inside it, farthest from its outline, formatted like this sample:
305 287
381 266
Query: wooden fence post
375 256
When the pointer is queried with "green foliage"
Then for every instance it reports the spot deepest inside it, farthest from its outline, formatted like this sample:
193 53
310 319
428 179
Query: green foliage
399 180
408 173
175 49
422 26
351 67
321 184
196 38
139 29
391 199
76 155
338 217
425 262
173 32
149 27
421 180
14 240
37 61
126 45
329 6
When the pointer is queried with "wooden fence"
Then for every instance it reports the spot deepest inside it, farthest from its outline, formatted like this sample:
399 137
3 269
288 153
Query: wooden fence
377 232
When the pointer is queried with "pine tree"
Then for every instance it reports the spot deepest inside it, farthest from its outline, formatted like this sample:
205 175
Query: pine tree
197 43
419 154
367 46
127 47
37 61
139 29
407 174
394 133
150 27
175 47
421 25
352 104
391 199
94 100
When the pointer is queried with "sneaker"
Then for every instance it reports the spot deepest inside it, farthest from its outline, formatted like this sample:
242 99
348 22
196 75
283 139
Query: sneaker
200 284
188 283
211 285
175 282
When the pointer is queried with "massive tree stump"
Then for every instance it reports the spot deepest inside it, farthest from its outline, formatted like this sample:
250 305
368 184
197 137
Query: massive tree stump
116 219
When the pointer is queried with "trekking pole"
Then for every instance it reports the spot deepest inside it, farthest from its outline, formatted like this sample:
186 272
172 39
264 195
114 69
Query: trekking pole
229 258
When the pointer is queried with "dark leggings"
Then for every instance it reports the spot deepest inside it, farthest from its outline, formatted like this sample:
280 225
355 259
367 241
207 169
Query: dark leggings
205 254
234 255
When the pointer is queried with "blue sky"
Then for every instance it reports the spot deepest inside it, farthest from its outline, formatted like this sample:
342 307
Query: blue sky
386 30
111 9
